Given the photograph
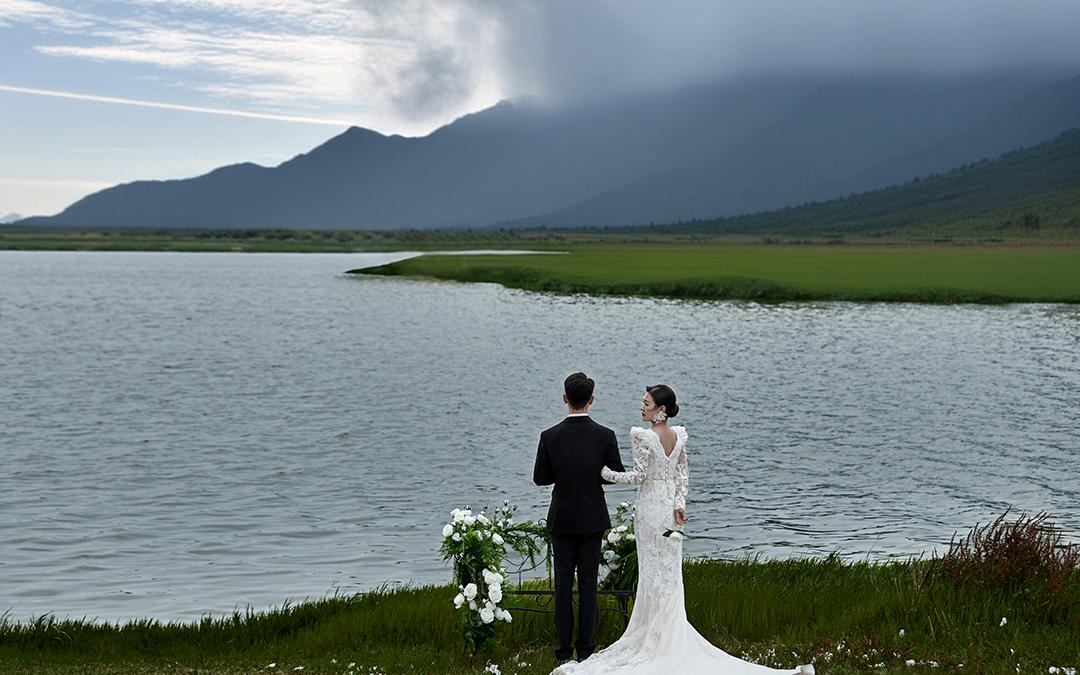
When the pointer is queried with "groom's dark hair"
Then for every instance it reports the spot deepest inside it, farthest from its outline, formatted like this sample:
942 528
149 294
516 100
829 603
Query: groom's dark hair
578 390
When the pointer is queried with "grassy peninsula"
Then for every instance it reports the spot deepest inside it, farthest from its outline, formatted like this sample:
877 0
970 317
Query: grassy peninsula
774 272
1004 599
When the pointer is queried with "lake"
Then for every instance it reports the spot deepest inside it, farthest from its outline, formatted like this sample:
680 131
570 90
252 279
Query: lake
192 433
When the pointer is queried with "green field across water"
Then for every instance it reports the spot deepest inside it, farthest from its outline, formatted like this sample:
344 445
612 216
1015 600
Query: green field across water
983 274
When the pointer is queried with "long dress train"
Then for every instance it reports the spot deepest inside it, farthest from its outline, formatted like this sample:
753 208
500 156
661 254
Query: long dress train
658 639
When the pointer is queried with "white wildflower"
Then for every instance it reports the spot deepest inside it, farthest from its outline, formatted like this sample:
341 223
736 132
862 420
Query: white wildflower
1003 622
910 662
901 632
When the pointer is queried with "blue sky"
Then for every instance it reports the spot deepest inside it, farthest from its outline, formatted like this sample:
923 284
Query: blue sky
96 92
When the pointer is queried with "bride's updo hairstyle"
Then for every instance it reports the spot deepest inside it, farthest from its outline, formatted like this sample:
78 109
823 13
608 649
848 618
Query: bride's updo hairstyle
662 395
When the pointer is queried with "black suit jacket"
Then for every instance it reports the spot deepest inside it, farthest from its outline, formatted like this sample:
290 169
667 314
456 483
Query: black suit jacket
570 456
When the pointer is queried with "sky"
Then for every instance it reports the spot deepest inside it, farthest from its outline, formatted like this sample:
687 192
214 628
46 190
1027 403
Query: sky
98 92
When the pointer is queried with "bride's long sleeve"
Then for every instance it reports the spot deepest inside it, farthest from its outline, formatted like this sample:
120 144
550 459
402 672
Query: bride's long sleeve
682 480
641 463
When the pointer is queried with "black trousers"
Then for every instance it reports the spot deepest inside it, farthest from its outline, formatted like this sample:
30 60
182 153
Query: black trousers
580 553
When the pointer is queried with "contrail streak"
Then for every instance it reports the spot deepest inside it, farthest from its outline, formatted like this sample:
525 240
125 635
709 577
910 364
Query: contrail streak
173 106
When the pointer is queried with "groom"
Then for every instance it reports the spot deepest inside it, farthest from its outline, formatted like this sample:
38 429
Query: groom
570 457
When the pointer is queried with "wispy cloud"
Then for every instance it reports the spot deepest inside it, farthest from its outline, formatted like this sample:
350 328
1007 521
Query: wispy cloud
54 183
170 106
351 56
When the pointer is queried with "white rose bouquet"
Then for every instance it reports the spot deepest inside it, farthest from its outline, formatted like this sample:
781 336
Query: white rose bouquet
477 544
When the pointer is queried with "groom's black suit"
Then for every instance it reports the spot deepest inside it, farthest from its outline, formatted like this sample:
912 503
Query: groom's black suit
570 457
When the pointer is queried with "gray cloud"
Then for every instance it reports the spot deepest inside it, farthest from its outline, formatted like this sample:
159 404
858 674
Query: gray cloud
438 78
568 49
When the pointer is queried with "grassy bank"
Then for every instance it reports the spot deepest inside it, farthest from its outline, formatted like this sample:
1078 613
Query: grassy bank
844 617
985 274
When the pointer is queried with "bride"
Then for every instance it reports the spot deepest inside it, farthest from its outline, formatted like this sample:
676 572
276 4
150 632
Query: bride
658 638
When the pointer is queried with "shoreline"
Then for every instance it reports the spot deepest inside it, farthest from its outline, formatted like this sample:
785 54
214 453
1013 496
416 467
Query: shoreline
845 617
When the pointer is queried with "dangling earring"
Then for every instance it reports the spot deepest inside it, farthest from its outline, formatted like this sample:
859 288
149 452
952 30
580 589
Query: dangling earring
659 417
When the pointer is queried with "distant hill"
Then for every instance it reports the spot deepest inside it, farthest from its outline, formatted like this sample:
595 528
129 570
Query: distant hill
701 152
10 218
1029 189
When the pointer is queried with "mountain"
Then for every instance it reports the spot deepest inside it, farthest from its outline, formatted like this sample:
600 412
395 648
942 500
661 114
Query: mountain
10 218
700 152
1024 190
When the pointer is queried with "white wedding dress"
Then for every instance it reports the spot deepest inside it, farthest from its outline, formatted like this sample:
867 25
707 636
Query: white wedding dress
659 640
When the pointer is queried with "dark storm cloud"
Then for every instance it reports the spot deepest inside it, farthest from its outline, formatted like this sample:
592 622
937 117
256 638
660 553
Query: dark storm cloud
568 49
438 79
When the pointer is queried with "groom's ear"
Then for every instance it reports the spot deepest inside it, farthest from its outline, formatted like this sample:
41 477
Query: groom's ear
590 401
565 400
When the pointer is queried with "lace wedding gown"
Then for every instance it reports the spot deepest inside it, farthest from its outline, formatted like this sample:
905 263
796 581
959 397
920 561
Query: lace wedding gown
659 640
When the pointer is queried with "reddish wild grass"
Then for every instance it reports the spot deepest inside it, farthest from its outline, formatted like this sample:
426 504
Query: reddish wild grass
1024 559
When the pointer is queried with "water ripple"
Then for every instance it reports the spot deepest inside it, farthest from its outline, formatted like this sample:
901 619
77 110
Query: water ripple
196 433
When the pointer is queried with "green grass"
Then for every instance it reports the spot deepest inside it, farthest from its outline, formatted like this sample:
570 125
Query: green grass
844 617
861 273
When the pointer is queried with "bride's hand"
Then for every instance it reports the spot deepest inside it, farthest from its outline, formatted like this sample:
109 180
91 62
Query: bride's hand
680 517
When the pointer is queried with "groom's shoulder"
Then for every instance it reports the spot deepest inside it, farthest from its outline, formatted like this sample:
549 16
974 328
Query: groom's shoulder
606 430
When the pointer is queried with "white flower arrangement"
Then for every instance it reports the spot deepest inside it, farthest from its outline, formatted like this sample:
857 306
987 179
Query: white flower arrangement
478 543
619 551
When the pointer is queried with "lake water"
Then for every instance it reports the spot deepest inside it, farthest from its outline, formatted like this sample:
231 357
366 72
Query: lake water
185 434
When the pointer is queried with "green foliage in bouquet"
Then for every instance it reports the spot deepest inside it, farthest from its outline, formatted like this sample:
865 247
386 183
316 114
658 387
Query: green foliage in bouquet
619 562
477 545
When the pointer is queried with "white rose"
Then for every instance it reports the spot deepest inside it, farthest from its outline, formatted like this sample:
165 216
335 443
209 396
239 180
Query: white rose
495 593
506 616
459 600
483 519
469 520
456 536
497 539
630 537
447 530
621 528
487 615
454 513
609 555
677 536
470 591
